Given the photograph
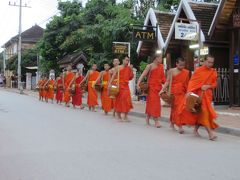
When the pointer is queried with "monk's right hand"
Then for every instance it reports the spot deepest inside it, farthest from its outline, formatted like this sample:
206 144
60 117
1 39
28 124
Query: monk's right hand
138 87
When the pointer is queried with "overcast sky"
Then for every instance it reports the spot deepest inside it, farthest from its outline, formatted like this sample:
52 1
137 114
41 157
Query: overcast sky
40 11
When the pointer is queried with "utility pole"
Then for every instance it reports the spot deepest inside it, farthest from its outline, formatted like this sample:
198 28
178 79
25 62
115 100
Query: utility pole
4 60
19 39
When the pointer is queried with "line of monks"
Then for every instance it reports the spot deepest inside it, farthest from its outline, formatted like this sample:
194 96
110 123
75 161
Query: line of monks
70 86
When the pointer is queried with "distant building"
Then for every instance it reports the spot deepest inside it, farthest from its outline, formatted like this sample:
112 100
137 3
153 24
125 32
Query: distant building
29 38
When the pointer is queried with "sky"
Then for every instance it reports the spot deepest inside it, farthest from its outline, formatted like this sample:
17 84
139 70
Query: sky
40 11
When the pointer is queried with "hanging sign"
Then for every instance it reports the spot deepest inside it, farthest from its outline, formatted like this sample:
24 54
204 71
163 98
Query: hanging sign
186 31
144 35
120 48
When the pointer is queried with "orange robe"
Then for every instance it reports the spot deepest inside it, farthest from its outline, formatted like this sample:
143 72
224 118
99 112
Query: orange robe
178 90
77 97
50 92
123 102
204 76
44 92
155 80
92 93
107 103
40 85
115 82
67 80
59 92
201 76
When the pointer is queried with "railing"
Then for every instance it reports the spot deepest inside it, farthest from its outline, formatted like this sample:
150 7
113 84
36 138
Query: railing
221 93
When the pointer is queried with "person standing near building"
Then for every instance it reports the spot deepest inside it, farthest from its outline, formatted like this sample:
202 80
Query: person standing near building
67 82
77 97
104 77
59 89
123 102
178 79
91 78
155 77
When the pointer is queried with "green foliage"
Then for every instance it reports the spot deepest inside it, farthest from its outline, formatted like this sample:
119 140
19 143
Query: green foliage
142 66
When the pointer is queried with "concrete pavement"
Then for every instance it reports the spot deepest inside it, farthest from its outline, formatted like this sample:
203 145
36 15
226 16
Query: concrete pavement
228 119
42 141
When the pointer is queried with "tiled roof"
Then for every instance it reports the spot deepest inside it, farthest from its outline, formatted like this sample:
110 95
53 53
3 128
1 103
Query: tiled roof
31 35
73 58
165 21
204 12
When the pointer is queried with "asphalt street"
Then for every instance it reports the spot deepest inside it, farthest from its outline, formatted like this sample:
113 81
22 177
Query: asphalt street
40 141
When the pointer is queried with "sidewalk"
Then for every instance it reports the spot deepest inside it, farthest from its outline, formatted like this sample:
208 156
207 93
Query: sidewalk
228 119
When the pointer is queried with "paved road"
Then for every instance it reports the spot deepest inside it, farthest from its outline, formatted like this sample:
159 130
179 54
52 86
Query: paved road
41 141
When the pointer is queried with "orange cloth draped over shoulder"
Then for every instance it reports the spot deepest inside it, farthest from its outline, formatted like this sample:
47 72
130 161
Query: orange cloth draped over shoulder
40 85
123 102
92 93
205 76
115 82
67 80
179 89
50 92
44 92
202 76
155 80
77 97
59 92
107 103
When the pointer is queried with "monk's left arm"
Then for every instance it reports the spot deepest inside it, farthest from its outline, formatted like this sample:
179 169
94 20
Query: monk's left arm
131 74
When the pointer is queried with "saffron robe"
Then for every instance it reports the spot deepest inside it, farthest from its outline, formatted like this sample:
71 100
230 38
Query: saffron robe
67 80
107 103
92 99
178 90
50 93
59 92
77 97
123 102
204 76
44 92
40 86
155 80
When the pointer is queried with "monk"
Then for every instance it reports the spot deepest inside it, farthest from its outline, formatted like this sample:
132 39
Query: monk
202 83
156 77
179 78
68 80
116 63
104 77
123 102
77 97
91 77
40 88
59 89
51 84
45 88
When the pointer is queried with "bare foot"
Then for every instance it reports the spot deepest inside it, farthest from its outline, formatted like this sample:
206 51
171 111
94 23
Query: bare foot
213 138
172 126
157 124
196 133
181 130
147 122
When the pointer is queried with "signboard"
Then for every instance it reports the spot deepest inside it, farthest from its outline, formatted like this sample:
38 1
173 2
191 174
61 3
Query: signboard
186 31
120 48
236 59
144 35
236 20
204 51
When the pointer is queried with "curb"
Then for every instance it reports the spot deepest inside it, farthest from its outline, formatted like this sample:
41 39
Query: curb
221 129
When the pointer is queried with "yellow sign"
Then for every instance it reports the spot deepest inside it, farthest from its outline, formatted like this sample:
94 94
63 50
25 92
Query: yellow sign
144 35
120 48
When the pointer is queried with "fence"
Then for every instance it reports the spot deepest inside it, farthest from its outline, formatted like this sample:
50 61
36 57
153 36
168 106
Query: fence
221 93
